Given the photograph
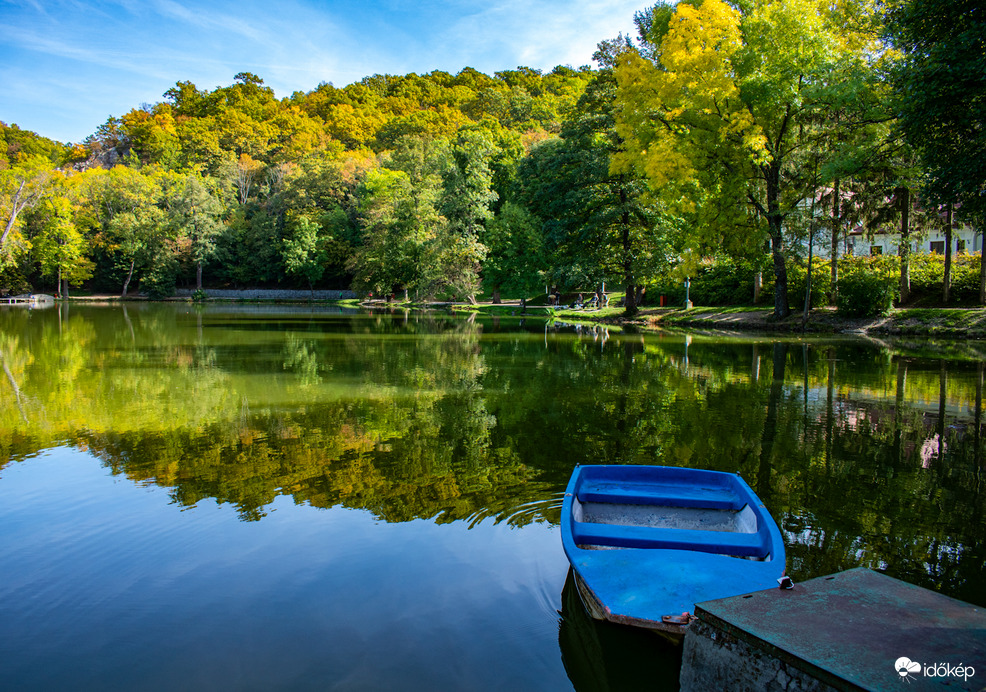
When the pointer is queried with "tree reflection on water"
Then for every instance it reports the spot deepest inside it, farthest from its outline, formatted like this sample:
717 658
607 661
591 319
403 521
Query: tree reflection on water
867 453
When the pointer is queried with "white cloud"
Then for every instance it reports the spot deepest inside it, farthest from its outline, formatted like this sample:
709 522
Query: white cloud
119 51
544 34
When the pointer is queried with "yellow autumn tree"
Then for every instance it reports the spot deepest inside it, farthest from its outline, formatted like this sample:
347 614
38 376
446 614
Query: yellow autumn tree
729 106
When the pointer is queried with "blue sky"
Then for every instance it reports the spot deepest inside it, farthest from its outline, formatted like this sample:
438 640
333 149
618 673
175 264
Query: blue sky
67 65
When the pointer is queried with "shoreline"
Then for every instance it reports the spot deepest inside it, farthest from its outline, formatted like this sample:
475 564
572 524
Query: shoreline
950 323
957 323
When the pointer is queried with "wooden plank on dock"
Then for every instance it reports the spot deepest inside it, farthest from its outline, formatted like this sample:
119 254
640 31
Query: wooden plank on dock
855 630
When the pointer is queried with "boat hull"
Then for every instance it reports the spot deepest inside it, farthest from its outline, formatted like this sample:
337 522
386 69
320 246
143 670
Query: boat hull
674 632
646 543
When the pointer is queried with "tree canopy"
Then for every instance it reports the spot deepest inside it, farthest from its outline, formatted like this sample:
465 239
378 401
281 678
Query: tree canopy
940 87
727 132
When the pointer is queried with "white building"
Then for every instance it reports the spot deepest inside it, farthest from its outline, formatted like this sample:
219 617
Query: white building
926 236
964 239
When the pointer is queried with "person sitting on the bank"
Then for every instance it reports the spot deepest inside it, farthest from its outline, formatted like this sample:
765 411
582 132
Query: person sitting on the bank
578 302
594 303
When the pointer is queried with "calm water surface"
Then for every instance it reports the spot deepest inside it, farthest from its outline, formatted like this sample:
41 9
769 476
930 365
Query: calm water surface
285 498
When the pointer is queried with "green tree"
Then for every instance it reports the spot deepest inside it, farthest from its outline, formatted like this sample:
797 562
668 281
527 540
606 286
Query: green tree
598 224
515 258
57 244
18 146
398 217
21 187
940 87
720 114
304 251
153 134
196 214
122 206
467 195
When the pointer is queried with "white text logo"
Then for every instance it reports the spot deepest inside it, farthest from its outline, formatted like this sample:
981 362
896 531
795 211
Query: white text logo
908 669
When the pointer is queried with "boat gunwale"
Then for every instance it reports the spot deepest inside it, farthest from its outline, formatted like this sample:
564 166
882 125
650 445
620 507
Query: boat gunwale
595 605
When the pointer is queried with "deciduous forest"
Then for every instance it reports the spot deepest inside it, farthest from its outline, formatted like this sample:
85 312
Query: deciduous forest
725 141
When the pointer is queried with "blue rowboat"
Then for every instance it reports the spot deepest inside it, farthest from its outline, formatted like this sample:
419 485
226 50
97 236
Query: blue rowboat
647 543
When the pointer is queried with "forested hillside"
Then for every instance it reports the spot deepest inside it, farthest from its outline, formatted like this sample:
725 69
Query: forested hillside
720 142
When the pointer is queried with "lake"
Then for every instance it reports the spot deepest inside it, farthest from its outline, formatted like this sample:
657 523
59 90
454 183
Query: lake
273 497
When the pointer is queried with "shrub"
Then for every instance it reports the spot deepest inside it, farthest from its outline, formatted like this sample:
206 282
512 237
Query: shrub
868 286
797 280
199 296
927 273
965 278
724 282
160 279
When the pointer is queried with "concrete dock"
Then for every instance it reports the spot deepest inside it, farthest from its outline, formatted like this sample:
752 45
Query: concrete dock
855 630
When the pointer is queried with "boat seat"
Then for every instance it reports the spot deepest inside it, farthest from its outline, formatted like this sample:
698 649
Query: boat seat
621 536
663 495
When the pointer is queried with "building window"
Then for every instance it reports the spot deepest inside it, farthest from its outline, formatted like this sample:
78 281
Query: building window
960 245
876 249
937 247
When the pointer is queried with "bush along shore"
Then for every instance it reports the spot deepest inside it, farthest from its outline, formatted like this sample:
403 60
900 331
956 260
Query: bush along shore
937 322
957 323
952 323
933 322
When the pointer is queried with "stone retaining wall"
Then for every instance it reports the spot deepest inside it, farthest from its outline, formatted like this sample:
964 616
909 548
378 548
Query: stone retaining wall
712 659
268 294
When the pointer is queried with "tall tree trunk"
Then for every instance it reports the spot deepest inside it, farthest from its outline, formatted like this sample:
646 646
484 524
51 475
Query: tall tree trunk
811 246
836 230
126 282
495 298
62 284
811 249
781 307
198 276
22 201
982 268
630 303
947 281
775 222
15 207
904 248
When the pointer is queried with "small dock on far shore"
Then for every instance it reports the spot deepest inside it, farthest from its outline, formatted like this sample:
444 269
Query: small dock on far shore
855 630
29 300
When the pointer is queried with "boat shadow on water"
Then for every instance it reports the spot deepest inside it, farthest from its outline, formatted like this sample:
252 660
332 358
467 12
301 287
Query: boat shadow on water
603 656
